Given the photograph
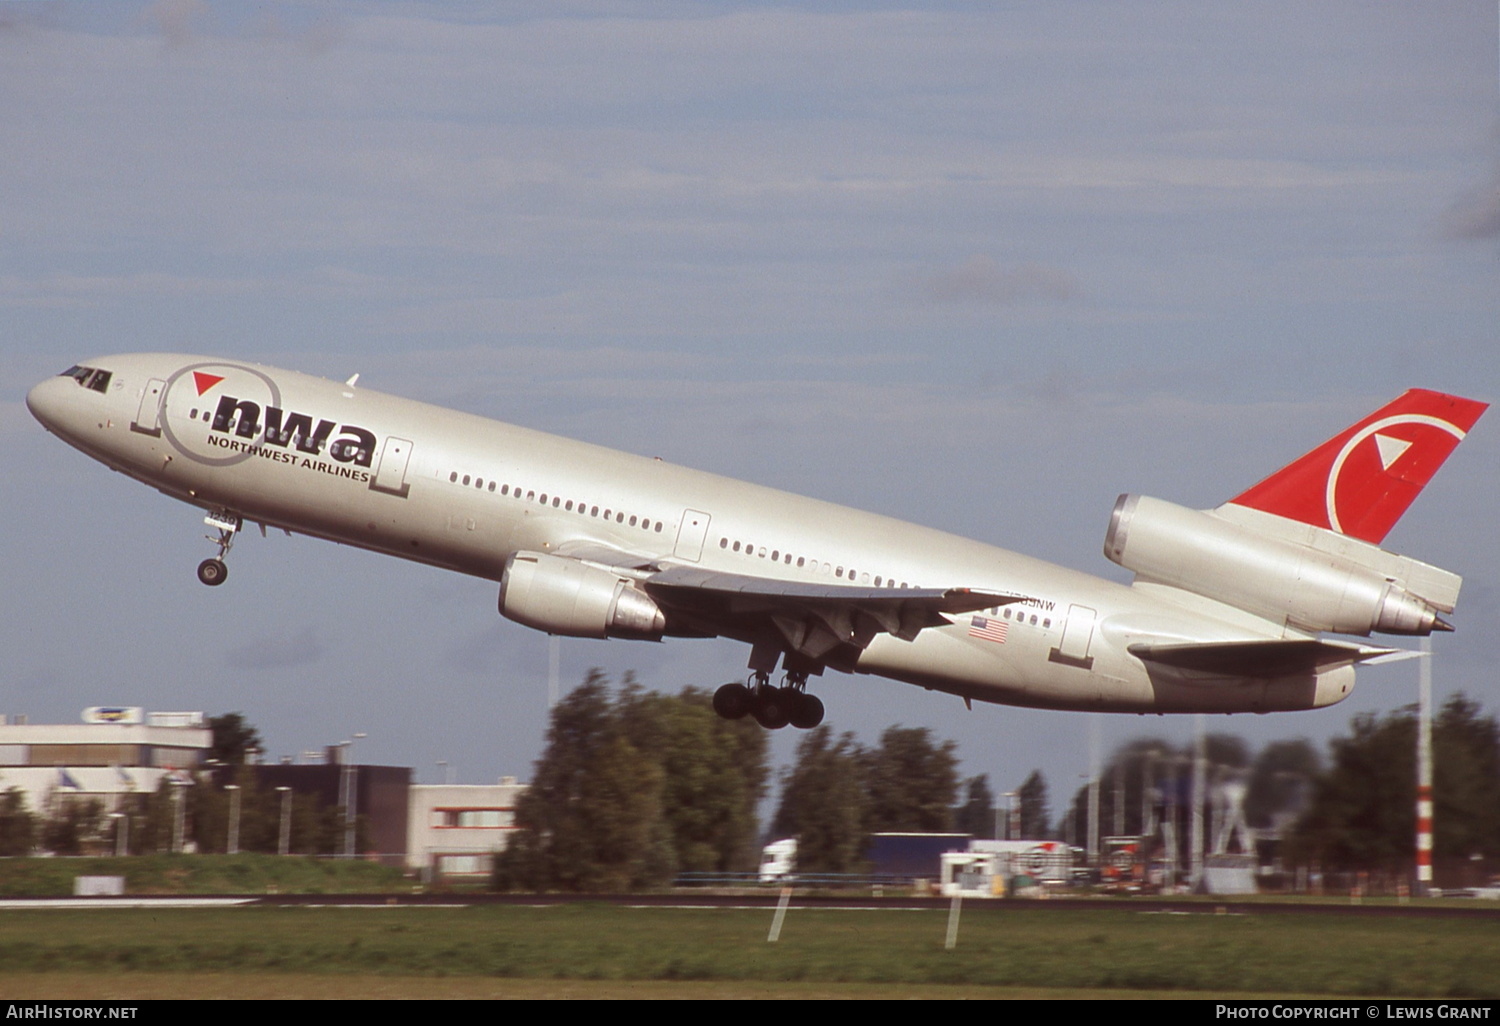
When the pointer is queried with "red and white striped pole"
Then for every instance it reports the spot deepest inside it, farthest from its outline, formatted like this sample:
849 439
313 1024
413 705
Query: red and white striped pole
1424 769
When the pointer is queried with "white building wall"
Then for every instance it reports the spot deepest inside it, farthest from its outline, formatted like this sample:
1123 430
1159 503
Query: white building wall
24 764
455 829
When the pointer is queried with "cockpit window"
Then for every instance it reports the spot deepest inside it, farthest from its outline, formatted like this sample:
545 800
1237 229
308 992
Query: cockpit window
88 377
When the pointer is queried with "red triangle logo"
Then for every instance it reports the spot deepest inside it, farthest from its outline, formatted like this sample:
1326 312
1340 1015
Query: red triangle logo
206 381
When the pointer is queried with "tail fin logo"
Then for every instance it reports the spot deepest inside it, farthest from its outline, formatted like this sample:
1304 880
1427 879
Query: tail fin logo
1363 479
1388 450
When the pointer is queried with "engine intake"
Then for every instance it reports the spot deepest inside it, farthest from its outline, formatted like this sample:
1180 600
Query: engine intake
563 596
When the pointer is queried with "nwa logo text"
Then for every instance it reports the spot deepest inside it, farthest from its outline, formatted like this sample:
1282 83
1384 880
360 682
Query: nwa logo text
242 417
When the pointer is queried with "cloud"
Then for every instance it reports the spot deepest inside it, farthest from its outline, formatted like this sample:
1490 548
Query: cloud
300 649
59 287
1477 214
981 279
177 19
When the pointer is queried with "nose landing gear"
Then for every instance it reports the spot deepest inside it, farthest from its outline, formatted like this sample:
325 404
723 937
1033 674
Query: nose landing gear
213 571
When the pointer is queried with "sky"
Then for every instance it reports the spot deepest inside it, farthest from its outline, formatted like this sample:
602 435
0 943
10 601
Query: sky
982 267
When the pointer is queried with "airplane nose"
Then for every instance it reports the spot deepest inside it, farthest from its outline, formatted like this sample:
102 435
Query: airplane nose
49 400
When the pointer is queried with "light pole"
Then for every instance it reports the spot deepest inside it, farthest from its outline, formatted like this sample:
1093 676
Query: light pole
285 846
350 794
1424 769
1096 742
234 818
1200 790
178 815
122 833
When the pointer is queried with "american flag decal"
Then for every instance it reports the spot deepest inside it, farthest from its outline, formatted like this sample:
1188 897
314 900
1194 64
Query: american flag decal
988 628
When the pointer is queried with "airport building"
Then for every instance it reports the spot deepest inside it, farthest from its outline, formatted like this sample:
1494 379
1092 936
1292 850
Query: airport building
113 752
379 796
456 829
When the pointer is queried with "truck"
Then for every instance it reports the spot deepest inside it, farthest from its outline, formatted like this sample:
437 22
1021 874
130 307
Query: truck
778 860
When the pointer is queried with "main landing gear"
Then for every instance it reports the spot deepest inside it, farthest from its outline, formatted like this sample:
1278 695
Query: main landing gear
772 707
213 571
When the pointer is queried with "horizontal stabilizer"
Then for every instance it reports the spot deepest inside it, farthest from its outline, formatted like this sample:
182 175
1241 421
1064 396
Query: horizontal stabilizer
1271 657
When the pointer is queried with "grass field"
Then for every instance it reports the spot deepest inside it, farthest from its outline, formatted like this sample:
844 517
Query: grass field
606 950
246 873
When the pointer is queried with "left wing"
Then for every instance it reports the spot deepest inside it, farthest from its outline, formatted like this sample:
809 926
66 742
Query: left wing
813 620
816 624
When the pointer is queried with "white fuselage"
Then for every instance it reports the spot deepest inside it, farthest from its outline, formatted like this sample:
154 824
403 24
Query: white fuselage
465 493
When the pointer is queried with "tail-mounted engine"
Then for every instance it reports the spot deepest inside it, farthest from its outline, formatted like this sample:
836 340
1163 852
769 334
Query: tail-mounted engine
1307 577
564 596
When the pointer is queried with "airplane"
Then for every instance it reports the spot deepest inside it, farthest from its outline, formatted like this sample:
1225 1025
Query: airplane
1227 611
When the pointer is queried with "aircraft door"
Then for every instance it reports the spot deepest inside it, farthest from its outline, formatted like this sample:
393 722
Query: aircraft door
390 472
1078 634
690 535
148 417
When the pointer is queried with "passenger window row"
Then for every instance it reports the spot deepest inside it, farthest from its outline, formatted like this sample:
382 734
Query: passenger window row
1019 615
802 562
557 502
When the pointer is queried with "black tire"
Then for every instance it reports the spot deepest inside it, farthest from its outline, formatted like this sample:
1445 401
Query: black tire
807 713
773 707
212 572
732 701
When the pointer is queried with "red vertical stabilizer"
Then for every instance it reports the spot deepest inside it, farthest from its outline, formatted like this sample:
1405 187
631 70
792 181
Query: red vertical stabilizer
1361 480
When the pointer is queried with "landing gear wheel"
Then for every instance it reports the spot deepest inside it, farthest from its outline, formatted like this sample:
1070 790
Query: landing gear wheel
807 713
773 707
733 701
213 571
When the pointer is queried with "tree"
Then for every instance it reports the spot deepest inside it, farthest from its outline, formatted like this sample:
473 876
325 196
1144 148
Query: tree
1466 781
1036 816
911 782
976 816
233 739
1149 778
591 819
17 824
1144 763
75 824
713 775
1362 812
822 803
634 789
1281 783
151 832
210 808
